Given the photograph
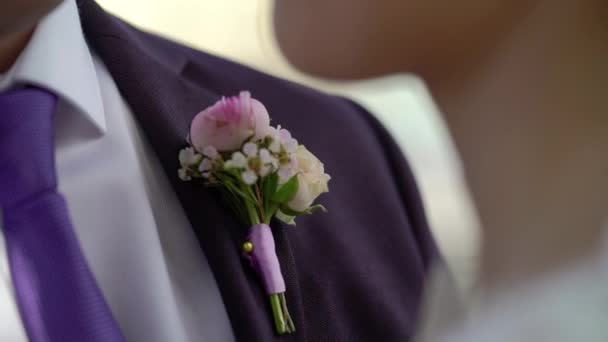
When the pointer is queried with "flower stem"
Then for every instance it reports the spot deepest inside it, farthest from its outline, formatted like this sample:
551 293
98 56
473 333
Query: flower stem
290 326
253 214
277 312
260 199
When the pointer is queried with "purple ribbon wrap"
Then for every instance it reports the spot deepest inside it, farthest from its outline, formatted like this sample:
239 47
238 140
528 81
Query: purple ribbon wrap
264 258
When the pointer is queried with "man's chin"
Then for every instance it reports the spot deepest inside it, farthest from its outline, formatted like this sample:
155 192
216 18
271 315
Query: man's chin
23 15
333 67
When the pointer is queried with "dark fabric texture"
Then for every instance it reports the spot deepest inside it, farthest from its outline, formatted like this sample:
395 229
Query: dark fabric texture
353 274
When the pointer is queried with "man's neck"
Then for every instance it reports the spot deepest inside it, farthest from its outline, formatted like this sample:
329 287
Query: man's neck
531 124
11 46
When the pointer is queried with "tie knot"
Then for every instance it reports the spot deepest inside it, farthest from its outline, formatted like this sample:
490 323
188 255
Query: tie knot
26 144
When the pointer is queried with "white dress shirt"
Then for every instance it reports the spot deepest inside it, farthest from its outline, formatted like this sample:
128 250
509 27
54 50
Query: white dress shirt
569 305
134 234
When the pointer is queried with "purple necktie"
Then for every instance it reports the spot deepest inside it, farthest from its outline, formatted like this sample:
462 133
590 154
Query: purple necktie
55 289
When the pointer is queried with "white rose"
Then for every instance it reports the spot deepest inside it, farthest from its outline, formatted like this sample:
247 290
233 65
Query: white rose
312 180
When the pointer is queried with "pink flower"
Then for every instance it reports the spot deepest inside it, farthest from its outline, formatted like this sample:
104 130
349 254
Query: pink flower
228 123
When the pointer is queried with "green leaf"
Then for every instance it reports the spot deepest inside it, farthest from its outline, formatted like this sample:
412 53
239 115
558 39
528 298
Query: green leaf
235 186
290 220
288 211
253 215
269 188
315 208
271 210
287 192
271 183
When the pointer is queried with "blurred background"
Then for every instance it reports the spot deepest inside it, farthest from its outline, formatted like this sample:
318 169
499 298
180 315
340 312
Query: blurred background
241 30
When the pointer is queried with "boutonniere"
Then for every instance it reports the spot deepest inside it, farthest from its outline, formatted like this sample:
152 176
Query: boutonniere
263 172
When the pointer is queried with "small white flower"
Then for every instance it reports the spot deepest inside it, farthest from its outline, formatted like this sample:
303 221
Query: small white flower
249 177
238 161
266 157
210 152
293 162
206 165
275 146
291 145
250 149
188 157
265 170
269 162
183 175
206 174
273 132
284 134
285 173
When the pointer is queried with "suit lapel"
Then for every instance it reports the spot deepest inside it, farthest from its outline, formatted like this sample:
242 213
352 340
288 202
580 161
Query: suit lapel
164 104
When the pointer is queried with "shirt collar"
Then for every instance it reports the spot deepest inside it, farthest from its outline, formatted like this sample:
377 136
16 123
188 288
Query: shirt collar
58 58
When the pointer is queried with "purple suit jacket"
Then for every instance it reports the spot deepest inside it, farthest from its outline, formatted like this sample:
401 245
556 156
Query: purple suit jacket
353 274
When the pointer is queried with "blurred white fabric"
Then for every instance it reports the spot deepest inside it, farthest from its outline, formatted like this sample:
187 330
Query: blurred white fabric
566 306
444 306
